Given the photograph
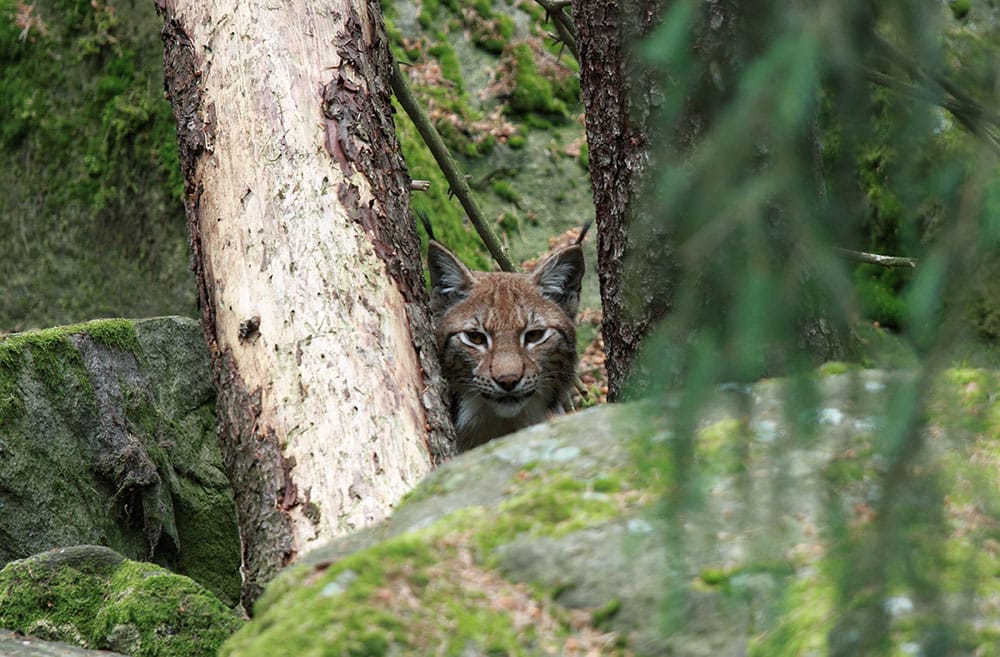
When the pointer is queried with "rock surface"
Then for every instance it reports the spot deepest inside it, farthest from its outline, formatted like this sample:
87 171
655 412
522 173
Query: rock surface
107 437
766 528
16 645
93 597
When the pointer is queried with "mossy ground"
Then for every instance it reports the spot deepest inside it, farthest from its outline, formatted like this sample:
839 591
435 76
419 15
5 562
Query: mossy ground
509 109
132 607
91 208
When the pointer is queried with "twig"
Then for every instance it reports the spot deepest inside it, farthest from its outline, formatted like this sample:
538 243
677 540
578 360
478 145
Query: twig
877 259
420 185
564 26
459 185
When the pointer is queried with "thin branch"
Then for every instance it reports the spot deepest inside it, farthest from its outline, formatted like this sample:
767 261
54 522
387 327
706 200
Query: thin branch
459 185
564 25
877 259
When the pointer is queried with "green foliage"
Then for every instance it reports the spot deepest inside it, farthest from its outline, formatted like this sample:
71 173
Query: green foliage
806 142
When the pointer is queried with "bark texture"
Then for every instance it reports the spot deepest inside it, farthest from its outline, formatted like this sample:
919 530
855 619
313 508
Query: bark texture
618 100
310 285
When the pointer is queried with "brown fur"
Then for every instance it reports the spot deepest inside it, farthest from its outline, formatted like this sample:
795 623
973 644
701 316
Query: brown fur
507 342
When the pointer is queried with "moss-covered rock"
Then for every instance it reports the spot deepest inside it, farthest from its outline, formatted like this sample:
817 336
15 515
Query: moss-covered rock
754 526
107 436
93 597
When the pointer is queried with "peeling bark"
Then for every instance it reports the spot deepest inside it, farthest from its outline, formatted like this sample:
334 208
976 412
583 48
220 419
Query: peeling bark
309 277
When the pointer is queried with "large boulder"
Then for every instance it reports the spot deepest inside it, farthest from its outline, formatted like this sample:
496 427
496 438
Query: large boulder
107 437
93 597
781 518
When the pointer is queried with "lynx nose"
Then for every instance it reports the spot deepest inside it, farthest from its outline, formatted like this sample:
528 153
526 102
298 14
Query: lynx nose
507 381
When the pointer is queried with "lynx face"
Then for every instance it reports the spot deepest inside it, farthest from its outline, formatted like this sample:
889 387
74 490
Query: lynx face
507 342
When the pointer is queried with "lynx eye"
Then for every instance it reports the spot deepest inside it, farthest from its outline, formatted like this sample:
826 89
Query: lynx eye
534 336
474 338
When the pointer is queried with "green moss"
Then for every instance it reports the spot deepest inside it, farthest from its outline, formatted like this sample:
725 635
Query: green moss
532 93
960 8
509 223
879 291
114 334
428 11
55 359
602 616
804 621
506 191
57 606
90 603
493 30
834 368
451 228
89 167
341 606
416 594
174 615
608 483
550 505
450 67
722 445
714 577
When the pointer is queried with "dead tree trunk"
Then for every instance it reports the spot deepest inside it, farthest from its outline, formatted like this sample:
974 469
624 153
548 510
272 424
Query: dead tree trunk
310 284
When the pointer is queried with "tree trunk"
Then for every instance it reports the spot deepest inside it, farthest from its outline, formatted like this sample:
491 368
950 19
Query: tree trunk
310 284
617 102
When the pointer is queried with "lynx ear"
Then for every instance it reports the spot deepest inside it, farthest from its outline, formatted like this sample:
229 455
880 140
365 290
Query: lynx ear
450 279
559 278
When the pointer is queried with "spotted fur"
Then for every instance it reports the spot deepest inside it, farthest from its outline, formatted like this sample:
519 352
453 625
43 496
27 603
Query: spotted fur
507 341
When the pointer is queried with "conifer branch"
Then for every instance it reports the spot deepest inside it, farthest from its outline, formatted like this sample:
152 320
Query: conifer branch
936 88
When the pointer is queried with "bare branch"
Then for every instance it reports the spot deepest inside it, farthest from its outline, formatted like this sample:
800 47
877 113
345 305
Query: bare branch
563 23
457 181
877 259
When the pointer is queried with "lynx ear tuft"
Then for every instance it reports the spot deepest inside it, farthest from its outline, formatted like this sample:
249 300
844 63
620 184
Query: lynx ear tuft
560 276
450 279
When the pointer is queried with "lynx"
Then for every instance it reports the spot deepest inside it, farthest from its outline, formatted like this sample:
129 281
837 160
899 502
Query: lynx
507 341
